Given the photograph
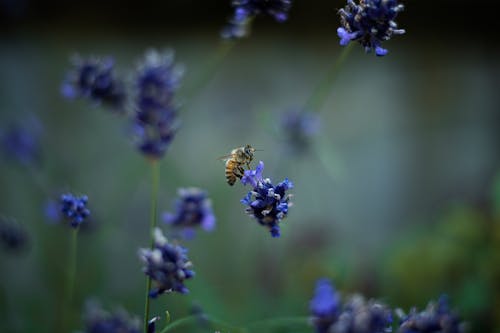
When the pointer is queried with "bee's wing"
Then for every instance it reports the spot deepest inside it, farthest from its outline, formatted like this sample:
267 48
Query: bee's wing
225 157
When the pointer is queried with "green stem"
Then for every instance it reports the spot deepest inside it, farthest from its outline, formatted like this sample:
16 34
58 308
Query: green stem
317 99
155 172
208 71
70 283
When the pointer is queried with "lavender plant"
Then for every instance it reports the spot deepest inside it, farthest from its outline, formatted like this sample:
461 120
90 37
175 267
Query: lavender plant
267 203
245 10
13 236
94 79
370 23
192 209
167 265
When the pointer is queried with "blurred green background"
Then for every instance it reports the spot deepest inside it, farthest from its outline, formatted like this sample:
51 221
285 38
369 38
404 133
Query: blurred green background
398 197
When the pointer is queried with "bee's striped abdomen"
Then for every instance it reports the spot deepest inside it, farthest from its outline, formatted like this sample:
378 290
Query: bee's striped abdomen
231 166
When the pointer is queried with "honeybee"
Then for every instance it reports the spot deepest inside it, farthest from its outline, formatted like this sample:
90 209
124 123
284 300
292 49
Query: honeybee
236 160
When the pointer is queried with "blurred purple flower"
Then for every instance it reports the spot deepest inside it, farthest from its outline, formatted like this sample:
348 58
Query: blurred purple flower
192 209
96 320
436 318
156 81
95 79
298 127
245 10
167 265
13 237
21 141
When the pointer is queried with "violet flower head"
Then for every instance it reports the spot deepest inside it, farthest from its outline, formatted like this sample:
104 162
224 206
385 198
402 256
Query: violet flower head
192 208
94 79
370 22
21 141
356 315
96 320
13 237
267 203
246 10
436 318
74 209
325 305
298 128
156 82
167 265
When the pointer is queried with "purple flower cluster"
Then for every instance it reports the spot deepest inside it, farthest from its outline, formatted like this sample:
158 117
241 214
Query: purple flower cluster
370 23
267 203
94 79
298 127
355 315
20 141
74 208
96 320
13 237
167 265
245 10
156 81
436 318
193 208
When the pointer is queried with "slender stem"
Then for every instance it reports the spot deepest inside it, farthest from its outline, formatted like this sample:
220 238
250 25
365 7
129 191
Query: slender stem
320 94
155 172
70 283
208 71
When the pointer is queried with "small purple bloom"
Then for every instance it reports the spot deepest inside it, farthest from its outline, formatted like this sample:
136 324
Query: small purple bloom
21 141
167 265
267 203
245 10
95 79
298 128
437 317
193 208
356 315
74 209
13 237
97 320
370 22
155 122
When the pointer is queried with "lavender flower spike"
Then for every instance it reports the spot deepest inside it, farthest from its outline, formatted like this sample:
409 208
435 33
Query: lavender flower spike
192 209
245 10
74 209
167 265
267 203
156 82
370 22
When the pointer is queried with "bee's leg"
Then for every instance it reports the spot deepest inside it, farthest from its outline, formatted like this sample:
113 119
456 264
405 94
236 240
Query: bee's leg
248 165
239 171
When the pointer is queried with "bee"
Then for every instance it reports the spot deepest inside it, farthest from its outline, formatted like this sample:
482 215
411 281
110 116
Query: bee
235 161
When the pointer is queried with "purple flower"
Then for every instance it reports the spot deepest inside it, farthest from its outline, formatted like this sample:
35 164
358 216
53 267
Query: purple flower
356 315
155 122
13 237
370 23
436 318
167 265
74 209
21 141
192 209
97 320
94 79
245 10
267 203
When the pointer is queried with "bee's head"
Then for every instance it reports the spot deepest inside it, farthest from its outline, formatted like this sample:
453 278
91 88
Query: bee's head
249 150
